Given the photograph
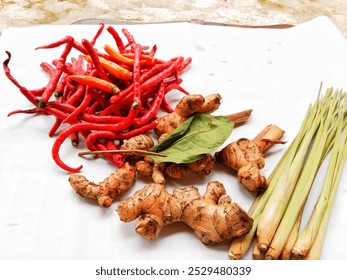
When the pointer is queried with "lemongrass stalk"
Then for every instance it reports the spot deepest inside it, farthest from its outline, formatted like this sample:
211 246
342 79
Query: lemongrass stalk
258 254
343 114
309 233
304 184
316 248
239 246
287 250
283 187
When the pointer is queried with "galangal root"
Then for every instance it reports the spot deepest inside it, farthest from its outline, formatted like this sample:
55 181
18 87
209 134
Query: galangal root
117 184
213 216
246 157
147 167
193 104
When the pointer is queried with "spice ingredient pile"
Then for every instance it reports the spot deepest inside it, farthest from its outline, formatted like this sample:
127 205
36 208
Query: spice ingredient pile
111 98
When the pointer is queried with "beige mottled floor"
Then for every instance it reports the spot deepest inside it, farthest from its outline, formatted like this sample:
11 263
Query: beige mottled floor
253 12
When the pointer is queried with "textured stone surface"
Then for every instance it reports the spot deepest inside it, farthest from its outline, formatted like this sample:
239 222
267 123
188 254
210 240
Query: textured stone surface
250 12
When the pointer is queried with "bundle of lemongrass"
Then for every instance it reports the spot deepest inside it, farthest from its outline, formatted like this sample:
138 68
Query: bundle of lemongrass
277 212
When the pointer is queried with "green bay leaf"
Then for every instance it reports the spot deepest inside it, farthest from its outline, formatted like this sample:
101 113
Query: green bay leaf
198 135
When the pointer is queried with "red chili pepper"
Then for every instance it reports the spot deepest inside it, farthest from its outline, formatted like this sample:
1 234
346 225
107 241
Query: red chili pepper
118 159
28 111
147 59
27 93
95 107
130 38
117 38
47 67
150 114
96 83
74 138
95 59
93 143
98 33
137 131
88 126
54 79
38 91
65 40
82 106
136 73
61 85
77 65
55 127
152 82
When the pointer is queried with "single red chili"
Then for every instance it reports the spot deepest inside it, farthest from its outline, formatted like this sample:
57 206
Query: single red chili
117 38
185 64
82 106
130 38
136 75
27 111
77 66
55 127
38 91
61 85
74 138
78 46
153 51
98 33
27 93
166 106
95 59
93 109
54 79
137 130
153 110
47 67
118 159
147 59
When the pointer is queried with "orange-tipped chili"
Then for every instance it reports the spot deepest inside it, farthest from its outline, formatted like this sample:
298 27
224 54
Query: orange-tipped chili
96 83
113 68
123 58
118 56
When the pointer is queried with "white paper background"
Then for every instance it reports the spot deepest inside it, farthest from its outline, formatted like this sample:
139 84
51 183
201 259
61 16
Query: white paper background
277 73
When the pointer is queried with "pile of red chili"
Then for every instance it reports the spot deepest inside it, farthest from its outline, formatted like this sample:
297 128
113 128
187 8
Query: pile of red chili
104 96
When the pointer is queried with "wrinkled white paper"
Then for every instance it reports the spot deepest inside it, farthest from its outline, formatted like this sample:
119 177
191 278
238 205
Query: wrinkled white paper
275 72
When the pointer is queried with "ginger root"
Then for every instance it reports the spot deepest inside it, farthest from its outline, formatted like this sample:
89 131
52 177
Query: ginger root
247 157
213 217
117 184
